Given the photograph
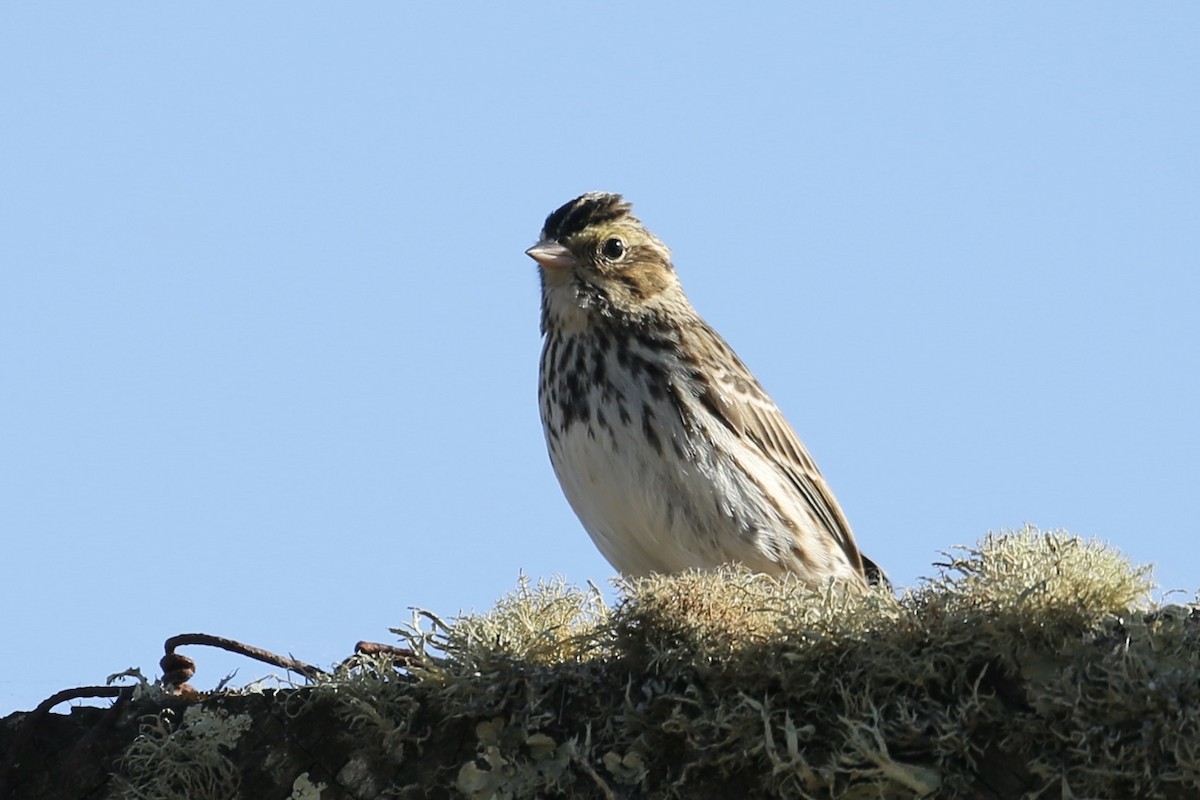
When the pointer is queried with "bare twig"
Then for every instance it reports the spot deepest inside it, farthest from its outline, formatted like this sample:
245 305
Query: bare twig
35 717
401 656
178 669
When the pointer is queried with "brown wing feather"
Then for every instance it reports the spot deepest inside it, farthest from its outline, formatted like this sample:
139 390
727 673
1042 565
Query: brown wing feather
740 402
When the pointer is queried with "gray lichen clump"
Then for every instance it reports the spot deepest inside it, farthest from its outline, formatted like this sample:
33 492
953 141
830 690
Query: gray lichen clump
1034 663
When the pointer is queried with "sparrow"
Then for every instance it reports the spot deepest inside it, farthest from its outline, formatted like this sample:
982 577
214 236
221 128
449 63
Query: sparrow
666 446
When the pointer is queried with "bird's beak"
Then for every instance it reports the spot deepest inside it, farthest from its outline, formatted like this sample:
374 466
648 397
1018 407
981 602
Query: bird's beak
551 255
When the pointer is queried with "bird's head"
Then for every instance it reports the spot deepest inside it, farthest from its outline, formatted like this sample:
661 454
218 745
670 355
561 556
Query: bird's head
595 257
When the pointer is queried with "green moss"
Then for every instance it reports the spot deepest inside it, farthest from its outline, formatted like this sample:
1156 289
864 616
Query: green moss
1033 658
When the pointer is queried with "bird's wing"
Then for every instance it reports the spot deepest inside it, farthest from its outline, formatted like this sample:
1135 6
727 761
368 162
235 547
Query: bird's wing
740 402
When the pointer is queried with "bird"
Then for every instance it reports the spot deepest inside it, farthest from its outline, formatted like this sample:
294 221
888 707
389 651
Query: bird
666 446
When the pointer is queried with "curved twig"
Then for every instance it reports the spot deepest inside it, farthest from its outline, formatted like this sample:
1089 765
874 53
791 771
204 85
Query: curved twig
179 666
29 725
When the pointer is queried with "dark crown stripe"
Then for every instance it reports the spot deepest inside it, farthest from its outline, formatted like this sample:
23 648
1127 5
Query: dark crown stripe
582 212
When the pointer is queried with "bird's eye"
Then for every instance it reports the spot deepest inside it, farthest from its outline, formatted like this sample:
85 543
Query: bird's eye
612 248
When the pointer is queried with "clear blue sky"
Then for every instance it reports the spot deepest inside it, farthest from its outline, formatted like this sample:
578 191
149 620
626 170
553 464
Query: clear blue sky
269 340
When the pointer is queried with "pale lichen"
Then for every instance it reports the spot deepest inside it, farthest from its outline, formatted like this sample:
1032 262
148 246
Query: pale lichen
1033 652
182 759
